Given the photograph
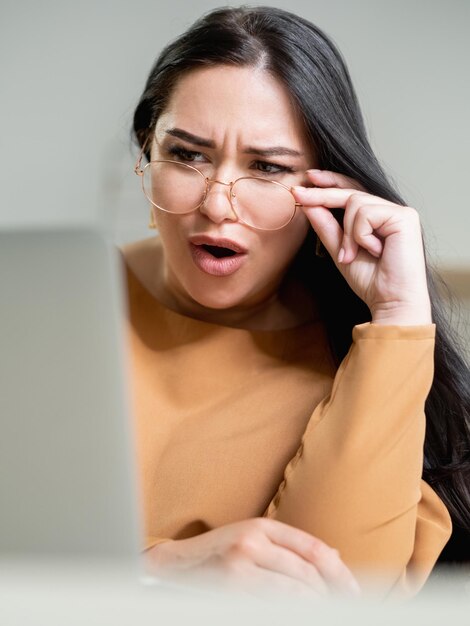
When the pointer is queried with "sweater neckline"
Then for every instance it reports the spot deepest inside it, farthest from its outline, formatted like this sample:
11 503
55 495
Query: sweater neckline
182 318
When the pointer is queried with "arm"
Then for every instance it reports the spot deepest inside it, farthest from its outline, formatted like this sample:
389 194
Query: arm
356 480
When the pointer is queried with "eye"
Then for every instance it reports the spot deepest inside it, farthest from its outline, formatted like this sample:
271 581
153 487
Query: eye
265 167
178 153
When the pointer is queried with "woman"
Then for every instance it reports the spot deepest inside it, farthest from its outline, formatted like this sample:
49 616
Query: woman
282 326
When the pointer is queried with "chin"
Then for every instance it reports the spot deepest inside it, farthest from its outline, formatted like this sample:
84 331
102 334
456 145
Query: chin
218 301
223 297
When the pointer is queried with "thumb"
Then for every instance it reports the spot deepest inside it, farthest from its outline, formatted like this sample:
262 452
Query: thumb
327 229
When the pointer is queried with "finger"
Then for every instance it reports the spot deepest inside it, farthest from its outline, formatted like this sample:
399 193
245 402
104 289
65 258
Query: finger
358 230
273 582
326 178
327 228
372 224
284 561
243 573
350 246
331 197
311 549
338 243
333 570
365 234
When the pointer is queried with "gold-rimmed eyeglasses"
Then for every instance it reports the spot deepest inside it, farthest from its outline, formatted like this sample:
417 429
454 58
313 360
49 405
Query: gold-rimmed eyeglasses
179 188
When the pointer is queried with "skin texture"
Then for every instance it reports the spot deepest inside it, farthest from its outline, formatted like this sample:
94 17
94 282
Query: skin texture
259 116
379 253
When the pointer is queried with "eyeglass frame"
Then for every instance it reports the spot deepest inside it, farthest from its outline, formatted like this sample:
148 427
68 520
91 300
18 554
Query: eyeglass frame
140 172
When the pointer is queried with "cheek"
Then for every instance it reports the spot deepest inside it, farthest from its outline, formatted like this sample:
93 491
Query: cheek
170 229
279 248
294 236
300 227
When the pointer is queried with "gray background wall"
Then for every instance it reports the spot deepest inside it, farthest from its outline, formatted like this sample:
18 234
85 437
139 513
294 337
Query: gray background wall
71 73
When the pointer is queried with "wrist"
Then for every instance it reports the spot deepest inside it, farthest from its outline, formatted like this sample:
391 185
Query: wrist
403 315
157 555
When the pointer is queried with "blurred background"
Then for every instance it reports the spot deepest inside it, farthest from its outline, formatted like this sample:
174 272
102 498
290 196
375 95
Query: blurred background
72 73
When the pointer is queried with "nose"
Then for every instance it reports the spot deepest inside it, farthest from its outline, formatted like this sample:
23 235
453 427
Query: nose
217 206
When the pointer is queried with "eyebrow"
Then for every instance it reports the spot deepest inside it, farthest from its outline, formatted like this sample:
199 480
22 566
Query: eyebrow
208 143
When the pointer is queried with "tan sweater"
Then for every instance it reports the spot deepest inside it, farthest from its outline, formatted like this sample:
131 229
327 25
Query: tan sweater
235 424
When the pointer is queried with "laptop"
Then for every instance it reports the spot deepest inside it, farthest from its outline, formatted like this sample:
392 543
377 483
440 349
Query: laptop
68 483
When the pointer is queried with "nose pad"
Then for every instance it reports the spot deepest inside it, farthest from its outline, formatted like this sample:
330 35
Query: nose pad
217 206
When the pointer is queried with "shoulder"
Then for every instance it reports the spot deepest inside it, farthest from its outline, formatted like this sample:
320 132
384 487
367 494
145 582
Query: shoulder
143 259
138 253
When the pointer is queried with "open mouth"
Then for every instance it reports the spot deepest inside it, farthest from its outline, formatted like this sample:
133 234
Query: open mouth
217 258
219 252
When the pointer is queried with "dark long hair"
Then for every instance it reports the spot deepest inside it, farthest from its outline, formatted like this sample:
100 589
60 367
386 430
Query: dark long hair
306 61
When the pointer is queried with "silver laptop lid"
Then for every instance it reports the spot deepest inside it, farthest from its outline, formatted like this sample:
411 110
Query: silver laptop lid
67 473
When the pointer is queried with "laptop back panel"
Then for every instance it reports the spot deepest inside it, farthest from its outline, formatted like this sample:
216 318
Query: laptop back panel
67 469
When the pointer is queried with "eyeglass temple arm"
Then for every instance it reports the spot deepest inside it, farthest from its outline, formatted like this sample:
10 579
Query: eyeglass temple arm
137 167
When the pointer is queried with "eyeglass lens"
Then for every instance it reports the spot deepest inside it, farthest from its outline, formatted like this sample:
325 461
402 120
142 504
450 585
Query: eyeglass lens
176 188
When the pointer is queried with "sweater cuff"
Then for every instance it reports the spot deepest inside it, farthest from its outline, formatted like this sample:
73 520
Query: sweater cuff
368 330
150 542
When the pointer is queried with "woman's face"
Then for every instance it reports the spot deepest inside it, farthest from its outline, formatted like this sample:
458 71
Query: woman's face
223 120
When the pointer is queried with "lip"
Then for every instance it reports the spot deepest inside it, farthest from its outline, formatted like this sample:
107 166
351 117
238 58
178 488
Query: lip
222 242
223 266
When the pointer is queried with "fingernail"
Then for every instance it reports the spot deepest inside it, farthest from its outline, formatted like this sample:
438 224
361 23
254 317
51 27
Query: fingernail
341 255
315 171
300 192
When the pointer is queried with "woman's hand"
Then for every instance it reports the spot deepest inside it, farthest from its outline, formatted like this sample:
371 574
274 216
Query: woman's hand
256 556
379 252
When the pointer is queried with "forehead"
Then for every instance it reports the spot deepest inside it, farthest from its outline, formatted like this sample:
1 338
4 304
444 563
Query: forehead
247 101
